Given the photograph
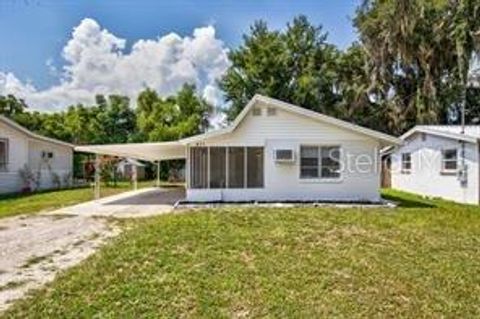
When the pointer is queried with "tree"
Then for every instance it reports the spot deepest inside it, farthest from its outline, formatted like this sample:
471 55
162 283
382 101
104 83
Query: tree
419 51
115 119
351 84
171 118
472 109
10 106
296 66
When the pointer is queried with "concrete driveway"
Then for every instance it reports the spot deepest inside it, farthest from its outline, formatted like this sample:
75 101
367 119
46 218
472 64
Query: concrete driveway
141 203
34 248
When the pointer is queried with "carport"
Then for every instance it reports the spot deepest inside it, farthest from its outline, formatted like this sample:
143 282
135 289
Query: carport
151 152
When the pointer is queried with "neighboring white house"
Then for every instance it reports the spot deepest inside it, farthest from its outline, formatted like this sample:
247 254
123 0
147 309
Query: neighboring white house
126 168
274 151
50 161
437 160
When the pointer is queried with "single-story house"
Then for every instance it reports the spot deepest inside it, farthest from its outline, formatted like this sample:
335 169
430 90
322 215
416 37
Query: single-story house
127 166
439 161
30 161
273 151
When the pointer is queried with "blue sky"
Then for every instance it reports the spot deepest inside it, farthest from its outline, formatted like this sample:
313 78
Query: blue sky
33 32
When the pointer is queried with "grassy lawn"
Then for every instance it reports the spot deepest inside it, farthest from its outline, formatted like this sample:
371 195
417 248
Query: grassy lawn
419 260
36 202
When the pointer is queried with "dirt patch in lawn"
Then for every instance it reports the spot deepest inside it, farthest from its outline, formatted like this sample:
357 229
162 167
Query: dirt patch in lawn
34 249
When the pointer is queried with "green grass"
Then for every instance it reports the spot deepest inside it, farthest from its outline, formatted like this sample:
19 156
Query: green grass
419 260
17 204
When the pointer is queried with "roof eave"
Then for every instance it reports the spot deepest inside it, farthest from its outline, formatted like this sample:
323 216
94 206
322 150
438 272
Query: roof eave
451 135
33 135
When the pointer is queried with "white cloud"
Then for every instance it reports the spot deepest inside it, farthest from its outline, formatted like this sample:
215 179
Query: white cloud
97 62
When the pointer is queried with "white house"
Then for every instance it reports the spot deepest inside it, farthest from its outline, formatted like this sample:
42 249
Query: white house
439 161
274 151
128 166
49 161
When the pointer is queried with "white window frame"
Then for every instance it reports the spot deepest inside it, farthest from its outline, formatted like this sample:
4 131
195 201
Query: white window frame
319 179
4 165
443 168
403 162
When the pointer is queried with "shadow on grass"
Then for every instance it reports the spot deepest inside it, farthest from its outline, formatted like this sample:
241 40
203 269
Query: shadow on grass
18 195
406 200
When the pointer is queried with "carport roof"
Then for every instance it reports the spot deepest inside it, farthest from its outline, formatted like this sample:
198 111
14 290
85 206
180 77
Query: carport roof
142 151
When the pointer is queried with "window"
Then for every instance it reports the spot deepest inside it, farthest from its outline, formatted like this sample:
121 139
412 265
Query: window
449 160
3 154
218 173
323 162
406 162
236 167
47 155
256 111
309 162
199 167
330 162
254 167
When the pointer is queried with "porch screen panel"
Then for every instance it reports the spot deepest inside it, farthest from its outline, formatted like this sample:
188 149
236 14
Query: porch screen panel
254 167
218 173
199 167
236 167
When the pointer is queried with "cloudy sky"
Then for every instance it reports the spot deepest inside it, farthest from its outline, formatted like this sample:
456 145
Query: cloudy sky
59 52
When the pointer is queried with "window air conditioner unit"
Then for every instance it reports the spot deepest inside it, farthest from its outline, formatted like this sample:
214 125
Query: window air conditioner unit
284 156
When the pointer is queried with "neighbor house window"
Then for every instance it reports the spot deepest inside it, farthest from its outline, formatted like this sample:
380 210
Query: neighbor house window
406 162
3 154
449 160
226 167
319 162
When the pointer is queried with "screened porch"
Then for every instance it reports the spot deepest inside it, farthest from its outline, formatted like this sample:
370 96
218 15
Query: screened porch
221 167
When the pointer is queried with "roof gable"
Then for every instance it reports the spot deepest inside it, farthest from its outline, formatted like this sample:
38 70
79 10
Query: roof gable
298 111
447 131
30 134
